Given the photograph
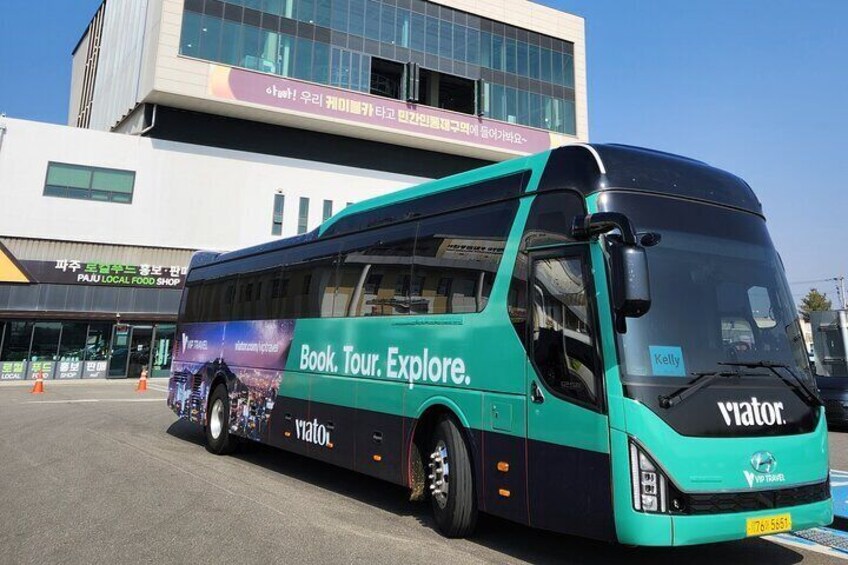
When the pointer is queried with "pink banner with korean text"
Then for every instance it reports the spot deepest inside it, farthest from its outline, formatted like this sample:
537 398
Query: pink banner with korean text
356 107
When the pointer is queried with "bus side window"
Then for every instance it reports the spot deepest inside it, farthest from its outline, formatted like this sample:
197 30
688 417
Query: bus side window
549 222
563 330
375 272
456 258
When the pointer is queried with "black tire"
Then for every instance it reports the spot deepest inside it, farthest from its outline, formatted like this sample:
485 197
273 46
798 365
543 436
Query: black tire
225 443
455 512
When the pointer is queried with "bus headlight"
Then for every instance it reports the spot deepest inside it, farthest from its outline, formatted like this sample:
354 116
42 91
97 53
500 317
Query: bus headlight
650 486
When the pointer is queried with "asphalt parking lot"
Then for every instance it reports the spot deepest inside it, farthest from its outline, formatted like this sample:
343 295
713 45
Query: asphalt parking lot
96 473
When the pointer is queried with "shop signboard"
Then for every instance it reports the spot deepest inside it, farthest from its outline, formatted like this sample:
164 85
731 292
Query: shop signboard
95 273
13 370
94 370
46 368
69 370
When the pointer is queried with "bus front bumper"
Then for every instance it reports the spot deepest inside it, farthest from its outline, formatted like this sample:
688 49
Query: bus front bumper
661 530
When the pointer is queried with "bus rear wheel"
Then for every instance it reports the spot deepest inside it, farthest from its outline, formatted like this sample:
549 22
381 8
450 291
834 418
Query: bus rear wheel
451 481
218 438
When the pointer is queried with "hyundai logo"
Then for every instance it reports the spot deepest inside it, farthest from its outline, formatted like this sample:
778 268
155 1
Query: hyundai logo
763 462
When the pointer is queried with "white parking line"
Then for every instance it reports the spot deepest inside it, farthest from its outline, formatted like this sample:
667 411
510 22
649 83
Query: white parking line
89 400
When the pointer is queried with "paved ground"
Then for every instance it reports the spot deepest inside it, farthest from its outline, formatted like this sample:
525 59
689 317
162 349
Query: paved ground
121 481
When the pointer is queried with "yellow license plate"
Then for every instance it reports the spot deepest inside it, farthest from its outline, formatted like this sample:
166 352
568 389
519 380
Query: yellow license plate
768 525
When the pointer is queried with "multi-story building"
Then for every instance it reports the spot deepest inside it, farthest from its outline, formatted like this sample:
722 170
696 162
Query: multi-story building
223 124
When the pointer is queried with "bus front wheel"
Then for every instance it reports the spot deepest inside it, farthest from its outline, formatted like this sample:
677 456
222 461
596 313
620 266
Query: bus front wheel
218 438
451 481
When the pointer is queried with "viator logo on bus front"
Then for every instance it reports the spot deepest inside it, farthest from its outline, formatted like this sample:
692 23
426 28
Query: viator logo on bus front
753 413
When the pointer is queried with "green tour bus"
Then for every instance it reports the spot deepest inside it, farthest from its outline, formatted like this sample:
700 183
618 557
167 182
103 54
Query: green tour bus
597 340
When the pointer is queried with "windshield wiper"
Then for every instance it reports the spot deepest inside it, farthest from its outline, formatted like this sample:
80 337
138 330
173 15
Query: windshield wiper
796 384
702 380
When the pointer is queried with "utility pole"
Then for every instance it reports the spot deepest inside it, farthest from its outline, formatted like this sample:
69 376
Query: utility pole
840 290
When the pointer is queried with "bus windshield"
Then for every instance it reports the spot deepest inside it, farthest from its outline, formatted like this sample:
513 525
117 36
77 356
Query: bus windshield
719 294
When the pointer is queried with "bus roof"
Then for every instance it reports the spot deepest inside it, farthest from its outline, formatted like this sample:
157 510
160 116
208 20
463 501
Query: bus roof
587 168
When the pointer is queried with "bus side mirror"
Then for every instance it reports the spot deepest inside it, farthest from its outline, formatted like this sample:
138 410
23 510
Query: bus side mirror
631 286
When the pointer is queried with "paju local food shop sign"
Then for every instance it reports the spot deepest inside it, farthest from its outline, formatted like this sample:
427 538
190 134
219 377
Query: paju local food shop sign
69 271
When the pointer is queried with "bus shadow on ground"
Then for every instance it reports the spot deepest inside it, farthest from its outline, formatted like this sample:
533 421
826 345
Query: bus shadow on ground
514 540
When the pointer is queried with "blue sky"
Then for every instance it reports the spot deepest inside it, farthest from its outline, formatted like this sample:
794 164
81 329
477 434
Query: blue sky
758 87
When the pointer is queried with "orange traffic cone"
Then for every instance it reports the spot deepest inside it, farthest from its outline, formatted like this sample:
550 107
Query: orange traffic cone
142 381
38 387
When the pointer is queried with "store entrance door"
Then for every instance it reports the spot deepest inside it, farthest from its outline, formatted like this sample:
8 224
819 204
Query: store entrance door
131 346
142 336
119 352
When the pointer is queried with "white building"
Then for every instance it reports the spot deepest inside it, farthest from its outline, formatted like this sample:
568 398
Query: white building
210 124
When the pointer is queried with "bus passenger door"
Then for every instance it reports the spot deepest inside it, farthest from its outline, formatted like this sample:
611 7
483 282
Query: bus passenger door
568 436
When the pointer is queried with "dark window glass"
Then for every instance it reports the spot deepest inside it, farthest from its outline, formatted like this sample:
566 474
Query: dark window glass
192 303
418 32
276 7
457 257
548 223
459 37
339 15
522 58
557 68
534 62
303 59
432 36
357 17
387 23
486 191
163 349
16 342
328 210
251 47
218 297
231 43
45 341
498 52
73 341
372 20
306 10
545 67
563 328
190 36
277 220
511 56
303 216
252 300
374 272
568 70
309 283
210 38
402 28
97 342
323 12
89 183
550 219
321 63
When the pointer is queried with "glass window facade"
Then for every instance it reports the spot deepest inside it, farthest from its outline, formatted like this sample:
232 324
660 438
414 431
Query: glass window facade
328 210
528 77
89 183
79 349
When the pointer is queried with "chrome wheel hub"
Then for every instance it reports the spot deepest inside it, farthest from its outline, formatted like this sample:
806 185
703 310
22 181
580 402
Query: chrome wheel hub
216 419
439 473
